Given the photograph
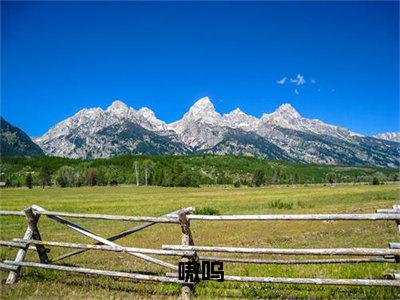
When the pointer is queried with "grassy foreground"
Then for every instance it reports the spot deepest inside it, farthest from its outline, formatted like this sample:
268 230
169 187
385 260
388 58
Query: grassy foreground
155 201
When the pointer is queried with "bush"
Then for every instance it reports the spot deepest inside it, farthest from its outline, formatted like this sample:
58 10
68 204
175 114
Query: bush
186 180
90 177
375 181
259 178
207 210
66 177
278 204
236 184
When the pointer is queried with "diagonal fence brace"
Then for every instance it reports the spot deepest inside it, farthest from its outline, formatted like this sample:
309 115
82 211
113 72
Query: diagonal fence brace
121 234
105 241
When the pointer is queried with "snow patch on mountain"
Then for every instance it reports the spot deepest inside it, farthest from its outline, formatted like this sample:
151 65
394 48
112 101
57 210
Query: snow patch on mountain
238 119
389 136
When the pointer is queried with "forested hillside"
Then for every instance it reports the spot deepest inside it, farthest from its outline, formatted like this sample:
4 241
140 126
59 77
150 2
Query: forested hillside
180 171
15 142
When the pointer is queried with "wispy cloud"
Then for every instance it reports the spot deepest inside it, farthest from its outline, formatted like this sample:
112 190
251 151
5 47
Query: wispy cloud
299 80
282 81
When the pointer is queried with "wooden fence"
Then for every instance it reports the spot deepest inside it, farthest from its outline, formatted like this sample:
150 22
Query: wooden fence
188 251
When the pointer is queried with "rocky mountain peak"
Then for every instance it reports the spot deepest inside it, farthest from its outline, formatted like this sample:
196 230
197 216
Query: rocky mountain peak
202 105
287 110
118 107
235 112
147 113
153 123
204 110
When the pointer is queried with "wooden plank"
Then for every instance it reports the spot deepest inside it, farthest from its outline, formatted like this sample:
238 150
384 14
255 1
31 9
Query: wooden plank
106 217
133 276
18 245
309 217
316 281
19 242
387 211
326 251
4 266
13 244
122 234
12 213
13 275
298 261
105 241
394 245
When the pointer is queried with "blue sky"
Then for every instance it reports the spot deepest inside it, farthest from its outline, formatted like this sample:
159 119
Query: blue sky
58 57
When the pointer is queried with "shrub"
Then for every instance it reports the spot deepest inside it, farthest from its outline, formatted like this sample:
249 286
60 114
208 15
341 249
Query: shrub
207 210
278 204
259 178
186 179
66 177
236 184
91 177
375 181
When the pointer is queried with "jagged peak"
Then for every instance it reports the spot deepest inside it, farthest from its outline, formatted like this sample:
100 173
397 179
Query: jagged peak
145 111
117 105
287 108
203 103
149 114
284 110
89 110
236 111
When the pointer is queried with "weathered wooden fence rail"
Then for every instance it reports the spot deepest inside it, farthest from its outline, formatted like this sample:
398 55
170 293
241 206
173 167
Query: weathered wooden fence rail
187 251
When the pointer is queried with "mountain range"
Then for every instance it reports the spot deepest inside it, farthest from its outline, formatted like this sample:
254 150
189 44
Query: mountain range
283 134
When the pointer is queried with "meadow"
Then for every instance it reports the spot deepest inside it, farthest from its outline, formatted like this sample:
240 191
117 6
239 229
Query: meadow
156 201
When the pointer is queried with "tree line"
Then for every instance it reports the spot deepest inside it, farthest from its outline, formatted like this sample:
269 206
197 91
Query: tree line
180 171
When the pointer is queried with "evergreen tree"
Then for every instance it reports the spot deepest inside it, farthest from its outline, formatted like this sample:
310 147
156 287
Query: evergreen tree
44 176
29 180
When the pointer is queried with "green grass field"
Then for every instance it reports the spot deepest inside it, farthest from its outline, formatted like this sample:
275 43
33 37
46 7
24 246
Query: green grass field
156 201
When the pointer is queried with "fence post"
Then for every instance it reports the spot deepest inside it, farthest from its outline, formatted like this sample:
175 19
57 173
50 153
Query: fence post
187 240
33 224
32 232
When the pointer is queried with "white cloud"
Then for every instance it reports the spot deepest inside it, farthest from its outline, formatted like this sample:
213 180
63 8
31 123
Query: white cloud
313 81
299 80
296 91
282 81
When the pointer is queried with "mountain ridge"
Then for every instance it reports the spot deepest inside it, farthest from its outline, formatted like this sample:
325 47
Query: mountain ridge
283 134
15 142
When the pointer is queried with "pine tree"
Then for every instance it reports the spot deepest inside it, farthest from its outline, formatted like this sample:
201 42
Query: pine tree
44 175
29 180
